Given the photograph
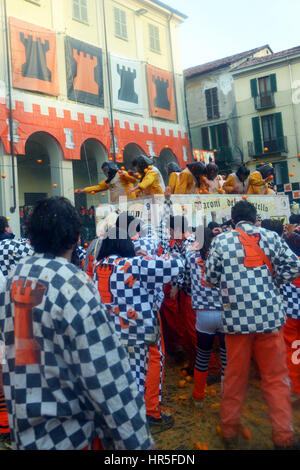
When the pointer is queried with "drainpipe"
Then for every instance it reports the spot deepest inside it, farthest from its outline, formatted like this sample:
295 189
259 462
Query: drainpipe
175 88
112 129
293 108
10 114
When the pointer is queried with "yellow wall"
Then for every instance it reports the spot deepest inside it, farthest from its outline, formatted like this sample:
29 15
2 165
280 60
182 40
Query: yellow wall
28 11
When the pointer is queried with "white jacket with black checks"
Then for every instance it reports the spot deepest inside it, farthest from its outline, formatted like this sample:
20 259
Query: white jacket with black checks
251 296
80 384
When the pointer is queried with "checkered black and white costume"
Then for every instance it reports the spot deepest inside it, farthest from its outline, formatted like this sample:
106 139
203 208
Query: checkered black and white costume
80 385
204 297
250 296
133 299
291 300
81 253
133 284
11 252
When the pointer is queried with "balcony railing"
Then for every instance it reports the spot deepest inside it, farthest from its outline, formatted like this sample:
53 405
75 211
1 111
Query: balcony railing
264 101
278 145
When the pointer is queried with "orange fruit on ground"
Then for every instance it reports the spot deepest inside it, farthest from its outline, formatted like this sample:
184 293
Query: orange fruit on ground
189 378
200 446
247 433
212 392
184 373
181 383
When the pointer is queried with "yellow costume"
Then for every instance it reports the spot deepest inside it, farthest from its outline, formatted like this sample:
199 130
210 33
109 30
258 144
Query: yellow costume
174 181
187 183
118 186
233 185
257 185
152 183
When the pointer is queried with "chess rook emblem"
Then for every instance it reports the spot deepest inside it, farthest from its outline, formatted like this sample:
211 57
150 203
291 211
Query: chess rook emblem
85 77
161 100
25 298
36 60
126 92
104 273
254 255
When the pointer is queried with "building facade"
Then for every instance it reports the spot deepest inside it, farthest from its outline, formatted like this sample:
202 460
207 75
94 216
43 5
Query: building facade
83 82
212 108
267 91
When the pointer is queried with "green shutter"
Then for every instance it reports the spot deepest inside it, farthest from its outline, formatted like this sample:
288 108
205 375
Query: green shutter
219 134
273 82
279 131
213 136
257 136
279 126
253 84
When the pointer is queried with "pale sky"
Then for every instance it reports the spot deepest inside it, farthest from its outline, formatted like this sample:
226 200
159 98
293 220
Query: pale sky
220 28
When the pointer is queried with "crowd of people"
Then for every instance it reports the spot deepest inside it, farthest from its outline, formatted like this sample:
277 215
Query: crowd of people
86 331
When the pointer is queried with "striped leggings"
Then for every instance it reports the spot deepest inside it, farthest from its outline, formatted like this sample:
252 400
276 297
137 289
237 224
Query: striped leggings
208 325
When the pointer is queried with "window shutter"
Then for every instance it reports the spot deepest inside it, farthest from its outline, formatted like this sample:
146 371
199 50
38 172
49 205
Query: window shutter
205 138
279 131
273 82
278 124
208 104
213 137
254 90
215 103
257 136
220 137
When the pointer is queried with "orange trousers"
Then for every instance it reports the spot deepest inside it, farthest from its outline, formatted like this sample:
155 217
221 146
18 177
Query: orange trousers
270 353
154 377
291 331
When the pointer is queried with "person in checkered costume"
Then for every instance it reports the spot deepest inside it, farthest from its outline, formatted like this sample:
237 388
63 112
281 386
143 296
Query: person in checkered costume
178 316
128 285
291 302
207 304
11 251
67 379
249 264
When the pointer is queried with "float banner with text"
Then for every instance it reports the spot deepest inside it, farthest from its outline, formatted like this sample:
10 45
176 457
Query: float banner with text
196 207
217 208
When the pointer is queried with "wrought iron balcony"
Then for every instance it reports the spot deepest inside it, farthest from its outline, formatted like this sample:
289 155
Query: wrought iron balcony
264 101
278 145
